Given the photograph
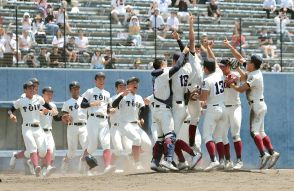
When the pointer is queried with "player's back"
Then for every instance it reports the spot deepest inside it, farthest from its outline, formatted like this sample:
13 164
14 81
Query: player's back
180 81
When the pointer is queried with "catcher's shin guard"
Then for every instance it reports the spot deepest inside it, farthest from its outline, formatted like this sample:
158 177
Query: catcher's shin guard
157 152
169 146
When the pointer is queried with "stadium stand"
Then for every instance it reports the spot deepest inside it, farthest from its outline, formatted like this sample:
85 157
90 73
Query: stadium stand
94 19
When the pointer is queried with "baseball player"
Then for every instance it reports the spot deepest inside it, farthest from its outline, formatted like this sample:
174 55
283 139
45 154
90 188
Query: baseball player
233 115
212 92
97 101
33 135
76 119
23 154
254 88
121 144
46 123
163 94
131 105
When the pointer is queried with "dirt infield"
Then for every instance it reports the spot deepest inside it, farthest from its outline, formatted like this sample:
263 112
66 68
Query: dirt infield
143 181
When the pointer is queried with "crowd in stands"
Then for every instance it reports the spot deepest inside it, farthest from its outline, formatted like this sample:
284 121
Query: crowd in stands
165 16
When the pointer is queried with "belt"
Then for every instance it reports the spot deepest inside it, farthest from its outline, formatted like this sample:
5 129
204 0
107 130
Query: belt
229 105
46 130
187 121
115 124
215 105
179 102
78 124
255 101
31 125
134 122
166 106
99 116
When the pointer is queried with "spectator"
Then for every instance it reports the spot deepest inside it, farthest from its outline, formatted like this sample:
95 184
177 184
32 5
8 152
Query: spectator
25 43
269 6
30 60
130 12
281 24
118 8
82 43
55 58
37 24
38 30
75 7
159 24
71 50
110 59
287 6
10 48
173 22
58 40
239 41
163 7
266 43
60 19
276 68
50 24
1 21
43 58
26 22
134 31
97 61
42 6
2 46
137 64
213 10
265 67
153 7
183 5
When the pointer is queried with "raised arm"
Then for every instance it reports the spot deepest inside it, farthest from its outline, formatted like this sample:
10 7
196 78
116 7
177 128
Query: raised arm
191 34
235 53
178 39
180 62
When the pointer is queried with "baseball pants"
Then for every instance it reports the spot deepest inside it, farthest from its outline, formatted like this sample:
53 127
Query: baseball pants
233 118
121 144
75 135
179 112
257 113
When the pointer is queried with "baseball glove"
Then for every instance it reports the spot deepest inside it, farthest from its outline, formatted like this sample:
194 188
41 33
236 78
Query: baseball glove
195 93
230 79
234 63
91 161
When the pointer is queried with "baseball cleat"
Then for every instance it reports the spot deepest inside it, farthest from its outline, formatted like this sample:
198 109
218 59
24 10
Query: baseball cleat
238 165
31 167
212 166
50 170
38 171
229 165
109 169
169 165
12 162
195 160
119 171
273 159
138 166
264 159
221 165
157 168
183 165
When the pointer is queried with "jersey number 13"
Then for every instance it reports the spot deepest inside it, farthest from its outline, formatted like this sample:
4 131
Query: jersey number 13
219 87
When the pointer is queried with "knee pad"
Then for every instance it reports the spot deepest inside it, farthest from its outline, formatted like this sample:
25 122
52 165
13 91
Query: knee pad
236 138
169 146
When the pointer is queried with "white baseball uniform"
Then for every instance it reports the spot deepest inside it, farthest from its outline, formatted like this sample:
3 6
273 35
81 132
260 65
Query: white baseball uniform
232 112
120 143
33 135
98 128
257 105
129 107
76 130
46 124
214 116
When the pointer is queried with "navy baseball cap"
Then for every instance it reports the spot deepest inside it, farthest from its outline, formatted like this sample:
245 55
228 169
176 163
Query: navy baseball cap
28 84
256 60
74 84
47 89
224 62
34 80
132 79
99 74
119 82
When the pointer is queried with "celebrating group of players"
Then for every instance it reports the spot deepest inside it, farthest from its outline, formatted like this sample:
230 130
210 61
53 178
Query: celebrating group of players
180 94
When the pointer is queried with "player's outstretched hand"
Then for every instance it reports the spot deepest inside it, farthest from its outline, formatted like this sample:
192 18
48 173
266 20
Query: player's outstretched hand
95 103
227 43
13 118
176 35
146 101
54 112
126 92
112 110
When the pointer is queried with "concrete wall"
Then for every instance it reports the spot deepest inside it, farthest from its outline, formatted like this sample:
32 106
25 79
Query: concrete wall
278 96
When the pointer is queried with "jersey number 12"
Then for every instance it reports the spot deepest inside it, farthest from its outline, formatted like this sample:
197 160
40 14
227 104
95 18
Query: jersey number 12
184 80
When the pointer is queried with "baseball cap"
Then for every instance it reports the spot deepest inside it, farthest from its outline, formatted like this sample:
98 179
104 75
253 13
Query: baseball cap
74 84
224 62
99 74
34 80
119 82
28 84
133 79
47 89
256 60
